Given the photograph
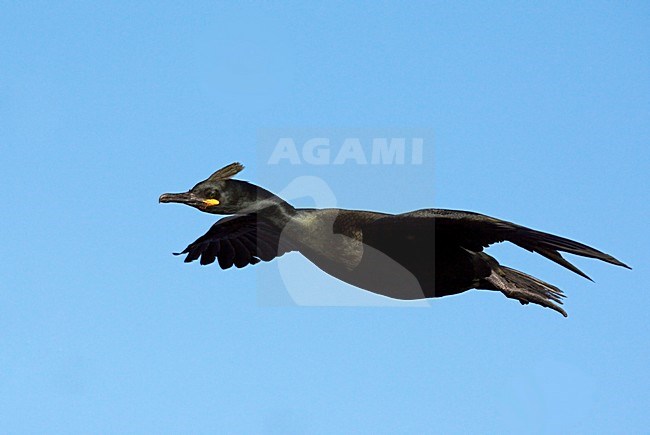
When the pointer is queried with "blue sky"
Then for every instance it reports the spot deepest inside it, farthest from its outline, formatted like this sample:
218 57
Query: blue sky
532 113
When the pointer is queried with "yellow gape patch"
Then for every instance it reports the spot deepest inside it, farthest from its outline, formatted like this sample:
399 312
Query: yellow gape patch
211 201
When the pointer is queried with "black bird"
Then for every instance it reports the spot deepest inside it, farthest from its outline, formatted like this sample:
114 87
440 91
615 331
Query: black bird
421 254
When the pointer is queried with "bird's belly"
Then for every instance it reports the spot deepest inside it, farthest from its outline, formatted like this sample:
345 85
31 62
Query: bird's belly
410 271
379 273
372 270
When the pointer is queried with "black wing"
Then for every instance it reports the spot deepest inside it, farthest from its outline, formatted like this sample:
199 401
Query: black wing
238 241
475 231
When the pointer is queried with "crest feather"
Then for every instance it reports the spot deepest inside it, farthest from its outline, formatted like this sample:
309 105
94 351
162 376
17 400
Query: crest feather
227 172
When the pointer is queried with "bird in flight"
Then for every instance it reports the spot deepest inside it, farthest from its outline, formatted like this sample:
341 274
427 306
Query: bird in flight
421 254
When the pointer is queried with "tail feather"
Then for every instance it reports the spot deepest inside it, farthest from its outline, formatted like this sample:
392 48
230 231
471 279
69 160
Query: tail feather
525 288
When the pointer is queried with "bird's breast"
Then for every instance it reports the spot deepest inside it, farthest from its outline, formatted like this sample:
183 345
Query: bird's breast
315 237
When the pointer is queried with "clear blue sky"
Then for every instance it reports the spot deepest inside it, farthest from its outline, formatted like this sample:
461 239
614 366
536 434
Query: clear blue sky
537 114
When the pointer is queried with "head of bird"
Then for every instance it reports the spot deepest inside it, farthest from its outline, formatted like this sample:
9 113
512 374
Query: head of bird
220 194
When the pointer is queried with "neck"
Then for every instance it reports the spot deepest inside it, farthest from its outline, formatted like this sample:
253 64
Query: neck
269 206
276 210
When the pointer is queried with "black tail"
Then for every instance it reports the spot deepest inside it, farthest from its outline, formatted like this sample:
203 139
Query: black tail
525 288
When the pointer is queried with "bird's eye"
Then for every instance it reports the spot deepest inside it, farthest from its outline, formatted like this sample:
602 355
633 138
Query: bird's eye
213 194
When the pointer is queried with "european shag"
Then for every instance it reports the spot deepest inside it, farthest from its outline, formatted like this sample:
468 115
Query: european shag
421 254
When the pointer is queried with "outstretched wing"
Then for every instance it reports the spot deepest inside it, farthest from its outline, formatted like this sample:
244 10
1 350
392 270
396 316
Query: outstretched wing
238 241
475 231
